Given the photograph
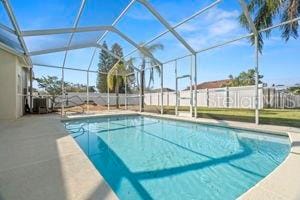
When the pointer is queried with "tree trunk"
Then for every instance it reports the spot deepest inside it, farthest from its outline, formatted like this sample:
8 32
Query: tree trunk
52 103
151 79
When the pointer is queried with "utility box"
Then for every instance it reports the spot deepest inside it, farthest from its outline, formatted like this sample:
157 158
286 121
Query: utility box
40 105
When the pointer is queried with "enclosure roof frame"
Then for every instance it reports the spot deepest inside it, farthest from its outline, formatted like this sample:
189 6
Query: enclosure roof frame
86 29
21 34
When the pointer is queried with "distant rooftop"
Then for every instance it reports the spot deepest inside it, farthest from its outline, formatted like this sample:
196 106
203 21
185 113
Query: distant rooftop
211 84
158 90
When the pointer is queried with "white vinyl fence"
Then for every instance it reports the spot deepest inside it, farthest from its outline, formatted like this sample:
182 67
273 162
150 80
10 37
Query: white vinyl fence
230 97
280 99
73 99
233 97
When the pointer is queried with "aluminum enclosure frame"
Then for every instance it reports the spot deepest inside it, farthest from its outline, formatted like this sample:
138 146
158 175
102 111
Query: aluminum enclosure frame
75 29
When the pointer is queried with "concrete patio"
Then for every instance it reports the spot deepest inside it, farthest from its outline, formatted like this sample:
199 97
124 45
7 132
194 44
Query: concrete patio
39 160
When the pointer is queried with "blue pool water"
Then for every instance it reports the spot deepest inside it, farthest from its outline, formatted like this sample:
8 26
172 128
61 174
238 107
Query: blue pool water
152 158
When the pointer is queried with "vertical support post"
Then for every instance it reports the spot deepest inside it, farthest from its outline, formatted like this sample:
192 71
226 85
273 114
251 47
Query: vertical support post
162 89
140 90
256 81
176 89
255 32
125 83
108 98
30 99
87 92
191 87
142 86
195 85
62 91
117 95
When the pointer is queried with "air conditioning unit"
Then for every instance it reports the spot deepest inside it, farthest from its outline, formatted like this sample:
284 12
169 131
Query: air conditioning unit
40 105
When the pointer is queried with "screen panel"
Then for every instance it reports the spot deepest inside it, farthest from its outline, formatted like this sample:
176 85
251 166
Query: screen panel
54 59
86 37
42 42
181 9
4 18
10 40
139 24
101 12
217 25
46 14
172 48
79 58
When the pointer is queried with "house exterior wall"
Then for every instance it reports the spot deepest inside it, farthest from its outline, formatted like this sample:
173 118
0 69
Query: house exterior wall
11 86
21 85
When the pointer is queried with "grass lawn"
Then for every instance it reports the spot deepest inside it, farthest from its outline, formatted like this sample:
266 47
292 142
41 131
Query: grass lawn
284 117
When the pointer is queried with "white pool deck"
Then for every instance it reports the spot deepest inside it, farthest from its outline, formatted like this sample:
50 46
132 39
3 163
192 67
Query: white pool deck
39 160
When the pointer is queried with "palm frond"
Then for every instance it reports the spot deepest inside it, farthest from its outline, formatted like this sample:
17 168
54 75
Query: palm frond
291 11
264 12
154 47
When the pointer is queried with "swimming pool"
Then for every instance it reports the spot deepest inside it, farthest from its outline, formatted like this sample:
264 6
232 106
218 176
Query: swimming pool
152 158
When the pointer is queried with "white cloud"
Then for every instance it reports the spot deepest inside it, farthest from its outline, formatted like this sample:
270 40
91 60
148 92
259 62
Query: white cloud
217 25
216 14
223 26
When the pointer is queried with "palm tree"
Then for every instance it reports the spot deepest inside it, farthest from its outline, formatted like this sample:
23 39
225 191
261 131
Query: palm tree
115 78
266 11
146 58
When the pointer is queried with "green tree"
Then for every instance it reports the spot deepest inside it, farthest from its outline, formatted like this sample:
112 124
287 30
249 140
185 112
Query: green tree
104 65
92 89
117 50
265 12
294 90
243 79
52 85
116 78
146 58
106 62
78 88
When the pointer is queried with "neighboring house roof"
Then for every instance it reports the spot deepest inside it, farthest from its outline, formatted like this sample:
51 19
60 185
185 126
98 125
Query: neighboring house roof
211 84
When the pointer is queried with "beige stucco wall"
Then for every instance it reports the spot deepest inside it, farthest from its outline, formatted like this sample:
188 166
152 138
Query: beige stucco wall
11 106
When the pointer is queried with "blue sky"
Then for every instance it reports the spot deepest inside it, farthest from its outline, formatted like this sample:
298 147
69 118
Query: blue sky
278 62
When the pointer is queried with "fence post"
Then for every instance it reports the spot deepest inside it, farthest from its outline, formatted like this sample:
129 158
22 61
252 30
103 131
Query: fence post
168 98
108 98
227 97
157 99
207 97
